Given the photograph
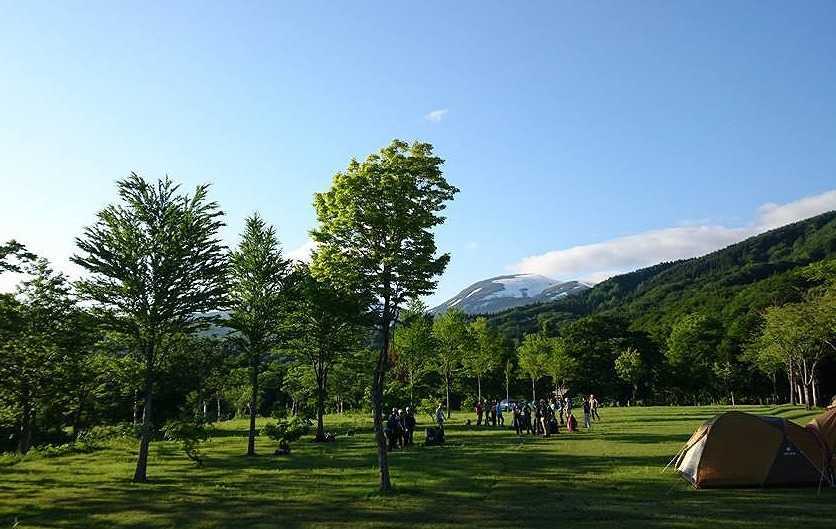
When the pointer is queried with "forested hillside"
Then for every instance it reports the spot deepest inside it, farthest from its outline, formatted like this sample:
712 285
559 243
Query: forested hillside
730 288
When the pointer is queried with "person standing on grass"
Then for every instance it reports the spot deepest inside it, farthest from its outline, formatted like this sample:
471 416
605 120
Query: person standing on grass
439 415
593 403
587 413
526 417
392 429
479 411
500 419
409 426
516 413
492 412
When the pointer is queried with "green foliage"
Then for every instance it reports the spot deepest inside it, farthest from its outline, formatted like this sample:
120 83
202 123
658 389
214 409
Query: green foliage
327 327
453 340
189 434
287 431
156 268
13 255
484 351
413 346
630 367
258 294
733 286
560 365
375 239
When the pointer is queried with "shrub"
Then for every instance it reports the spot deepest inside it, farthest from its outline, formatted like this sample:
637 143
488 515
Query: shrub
189 434
287 431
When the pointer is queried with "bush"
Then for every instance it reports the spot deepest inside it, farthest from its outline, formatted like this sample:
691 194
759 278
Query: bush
189 434
101 434
287 431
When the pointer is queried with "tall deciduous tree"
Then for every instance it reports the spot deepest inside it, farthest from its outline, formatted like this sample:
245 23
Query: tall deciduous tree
258 276
31 340
484 353
157 268
375 236
328 327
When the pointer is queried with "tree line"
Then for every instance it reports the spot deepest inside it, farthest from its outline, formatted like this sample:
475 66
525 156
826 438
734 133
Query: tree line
166 312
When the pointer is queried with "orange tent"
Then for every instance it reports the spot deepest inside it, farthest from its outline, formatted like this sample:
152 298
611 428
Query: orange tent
824 429
736 449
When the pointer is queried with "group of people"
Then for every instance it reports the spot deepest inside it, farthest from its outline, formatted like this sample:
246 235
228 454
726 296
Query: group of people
491 411
539 418
400 428
533 418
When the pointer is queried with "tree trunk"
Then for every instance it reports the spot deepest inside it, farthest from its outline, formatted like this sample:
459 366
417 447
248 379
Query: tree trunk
253 407
635 390
507 387
533 393
136 408
447 388
479 387
24 442
141 472
377 396
218 402
815 390
320 405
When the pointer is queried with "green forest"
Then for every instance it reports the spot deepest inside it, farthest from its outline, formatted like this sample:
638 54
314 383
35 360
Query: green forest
169 330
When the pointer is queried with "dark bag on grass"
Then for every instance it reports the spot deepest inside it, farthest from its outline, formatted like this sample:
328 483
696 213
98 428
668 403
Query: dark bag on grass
435 436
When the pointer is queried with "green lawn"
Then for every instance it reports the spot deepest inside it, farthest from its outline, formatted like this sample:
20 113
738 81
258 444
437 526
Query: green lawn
481 478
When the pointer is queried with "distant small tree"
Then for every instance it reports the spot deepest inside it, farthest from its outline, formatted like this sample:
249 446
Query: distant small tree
286 431
414 345
258 286
560 365
483 353
532 356
157 268
630 368
453 337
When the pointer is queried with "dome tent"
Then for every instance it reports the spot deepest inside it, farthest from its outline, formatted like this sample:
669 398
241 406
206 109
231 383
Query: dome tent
824 429
736 449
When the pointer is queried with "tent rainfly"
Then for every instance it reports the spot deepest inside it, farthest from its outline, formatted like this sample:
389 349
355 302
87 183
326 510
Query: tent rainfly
736 449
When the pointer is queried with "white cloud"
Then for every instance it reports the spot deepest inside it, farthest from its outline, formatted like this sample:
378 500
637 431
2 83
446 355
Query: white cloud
302 252
436 115
599 261
472 245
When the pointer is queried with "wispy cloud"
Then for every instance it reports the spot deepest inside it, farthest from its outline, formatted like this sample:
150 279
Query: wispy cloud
599 261
436 115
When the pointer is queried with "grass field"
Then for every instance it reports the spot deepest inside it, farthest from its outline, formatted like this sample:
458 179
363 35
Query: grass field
481 478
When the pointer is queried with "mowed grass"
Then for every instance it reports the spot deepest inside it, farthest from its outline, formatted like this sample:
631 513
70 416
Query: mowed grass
487 478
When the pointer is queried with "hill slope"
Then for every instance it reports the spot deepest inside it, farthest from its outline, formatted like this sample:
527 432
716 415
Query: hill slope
732 283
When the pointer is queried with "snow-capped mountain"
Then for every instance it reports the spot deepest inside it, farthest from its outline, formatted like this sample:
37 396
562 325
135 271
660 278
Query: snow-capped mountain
505 292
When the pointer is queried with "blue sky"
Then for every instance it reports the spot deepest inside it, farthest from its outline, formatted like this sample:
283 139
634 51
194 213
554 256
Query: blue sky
588 138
